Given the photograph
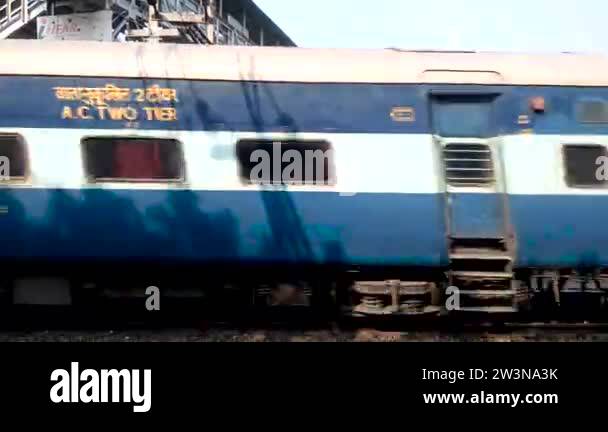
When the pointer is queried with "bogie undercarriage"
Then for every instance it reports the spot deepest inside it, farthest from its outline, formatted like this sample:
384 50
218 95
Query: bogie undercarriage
527 295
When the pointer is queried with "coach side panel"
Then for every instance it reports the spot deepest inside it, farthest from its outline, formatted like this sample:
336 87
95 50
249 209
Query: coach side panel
558 196
385 206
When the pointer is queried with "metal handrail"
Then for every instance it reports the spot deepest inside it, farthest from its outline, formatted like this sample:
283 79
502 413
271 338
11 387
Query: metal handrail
15 12
232 35
12 11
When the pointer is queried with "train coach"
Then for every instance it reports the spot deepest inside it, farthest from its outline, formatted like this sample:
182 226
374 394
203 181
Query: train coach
412 181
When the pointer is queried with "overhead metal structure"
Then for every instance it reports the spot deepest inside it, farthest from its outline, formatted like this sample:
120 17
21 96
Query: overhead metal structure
223 22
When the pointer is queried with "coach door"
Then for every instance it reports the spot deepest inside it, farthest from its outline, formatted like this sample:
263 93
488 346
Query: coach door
481 255
465 130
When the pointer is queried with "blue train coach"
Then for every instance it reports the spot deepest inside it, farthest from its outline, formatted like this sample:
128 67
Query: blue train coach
407 177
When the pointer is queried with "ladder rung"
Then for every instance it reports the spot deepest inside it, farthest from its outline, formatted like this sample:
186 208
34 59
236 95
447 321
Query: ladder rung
472 179
482 275
466 151
489 309
467 160
488 293
479 255
469 169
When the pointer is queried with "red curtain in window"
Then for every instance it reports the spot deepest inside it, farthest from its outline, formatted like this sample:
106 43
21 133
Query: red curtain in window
137 160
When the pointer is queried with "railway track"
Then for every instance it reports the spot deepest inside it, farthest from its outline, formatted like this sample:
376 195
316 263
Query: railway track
186 325
264 334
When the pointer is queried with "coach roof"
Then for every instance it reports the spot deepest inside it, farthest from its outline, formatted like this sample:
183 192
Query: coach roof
277 64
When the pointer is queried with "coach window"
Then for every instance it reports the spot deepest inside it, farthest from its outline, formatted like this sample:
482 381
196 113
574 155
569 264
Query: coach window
592 111
286 162
586 165
463 116
133 159
14 160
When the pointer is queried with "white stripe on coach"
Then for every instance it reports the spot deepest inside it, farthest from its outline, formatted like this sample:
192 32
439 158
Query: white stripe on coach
535 164
364 163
